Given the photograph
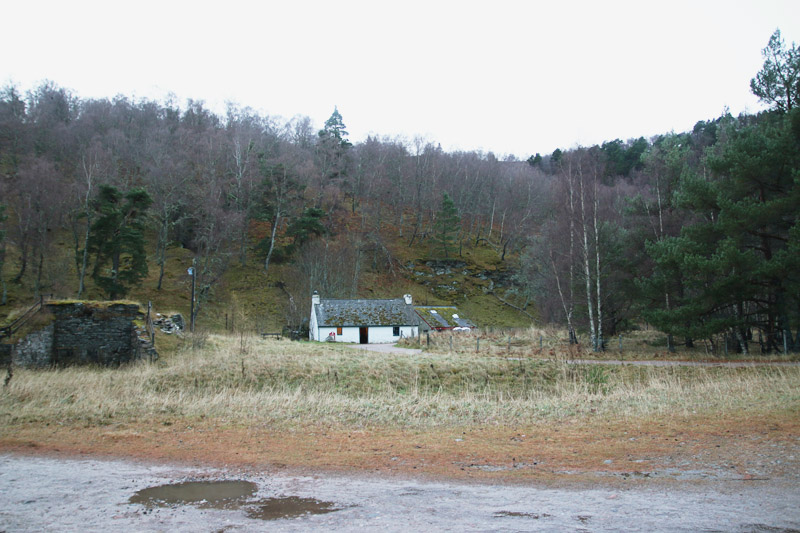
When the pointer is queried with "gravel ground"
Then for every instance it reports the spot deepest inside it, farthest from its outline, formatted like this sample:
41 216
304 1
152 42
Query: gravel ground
48 494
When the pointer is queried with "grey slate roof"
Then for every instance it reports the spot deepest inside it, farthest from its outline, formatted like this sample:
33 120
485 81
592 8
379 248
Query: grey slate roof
441 316
397 312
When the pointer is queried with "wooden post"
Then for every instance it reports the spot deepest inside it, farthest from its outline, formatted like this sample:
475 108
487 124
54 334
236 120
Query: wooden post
620 343
477 344
428 337
451 343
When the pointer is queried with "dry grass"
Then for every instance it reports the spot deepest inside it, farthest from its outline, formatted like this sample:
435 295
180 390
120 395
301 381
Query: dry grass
244 380
548 342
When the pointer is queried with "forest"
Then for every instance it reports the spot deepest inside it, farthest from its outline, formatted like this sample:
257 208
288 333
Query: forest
694 233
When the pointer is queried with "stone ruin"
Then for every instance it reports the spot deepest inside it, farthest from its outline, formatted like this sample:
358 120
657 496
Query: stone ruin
82 332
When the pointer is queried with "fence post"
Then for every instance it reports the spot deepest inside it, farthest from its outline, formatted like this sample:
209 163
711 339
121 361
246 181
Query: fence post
451 342
477 344
428 337
620 343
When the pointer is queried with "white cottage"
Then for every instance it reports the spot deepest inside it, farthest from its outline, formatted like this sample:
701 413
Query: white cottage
362 321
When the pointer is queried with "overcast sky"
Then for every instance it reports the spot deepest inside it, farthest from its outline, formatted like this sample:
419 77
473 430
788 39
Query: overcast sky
512 77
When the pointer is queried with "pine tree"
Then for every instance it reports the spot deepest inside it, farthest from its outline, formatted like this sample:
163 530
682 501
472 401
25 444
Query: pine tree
446 227
736 260
117 237
333 147
778 81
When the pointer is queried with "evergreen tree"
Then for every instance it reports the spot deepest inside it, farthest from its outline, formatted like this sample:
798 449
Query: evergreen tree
117 238
778 81
736 259
535 160
446 227
303 227
333 147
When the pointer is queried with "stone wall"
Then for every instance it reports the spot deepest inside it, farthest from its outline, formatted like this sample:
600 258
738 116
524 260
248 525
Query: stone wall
102 333
35 348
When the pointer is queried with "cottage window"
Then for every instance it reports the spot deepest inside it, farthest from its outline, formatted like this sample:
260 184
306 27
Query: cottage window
396 331
339 330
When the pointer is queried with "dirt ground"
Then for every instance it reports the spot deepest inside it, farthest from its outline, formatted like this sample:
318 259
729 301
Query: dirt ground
749 466
69 494
660 451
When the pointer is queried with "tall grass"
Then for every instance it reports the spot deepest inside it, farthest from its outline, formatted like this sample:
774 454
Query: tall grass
242 379
552 343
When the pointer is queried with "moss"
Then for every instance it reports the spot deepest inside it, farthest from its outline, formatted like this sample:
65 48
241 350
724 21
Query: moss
40 320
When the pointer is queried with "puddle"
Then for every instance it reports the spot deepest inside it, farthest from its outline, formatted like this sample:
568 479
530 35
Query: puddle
289 507
231 495
213 494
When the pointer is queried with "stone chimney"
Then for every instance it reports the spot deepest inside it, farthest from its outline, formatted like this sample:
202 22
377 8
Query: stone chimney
407 298
315 298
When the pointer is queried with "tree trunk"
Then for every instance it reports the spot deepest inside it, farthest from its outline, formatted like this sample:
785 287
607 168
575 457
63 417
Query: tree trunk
599 340
115 262
23 262
272 242
491 220
573 338
88 171
587 271
161 250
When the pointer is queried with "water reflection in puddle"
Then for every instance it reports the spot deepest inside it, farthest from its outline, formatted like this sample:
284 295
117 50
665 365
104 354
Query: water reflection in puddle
231 495
213 494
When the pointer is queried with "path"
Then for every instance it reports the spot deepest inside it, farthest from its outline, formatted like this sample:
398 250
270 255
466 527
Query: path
57 494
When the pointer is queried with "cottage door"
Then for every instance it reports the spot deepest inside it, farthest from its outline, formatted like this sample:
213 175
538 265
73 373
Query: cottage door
363 335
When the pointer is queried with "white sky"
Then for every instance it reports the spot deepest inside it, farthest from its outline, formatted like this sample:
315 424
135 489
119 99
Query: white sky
512 77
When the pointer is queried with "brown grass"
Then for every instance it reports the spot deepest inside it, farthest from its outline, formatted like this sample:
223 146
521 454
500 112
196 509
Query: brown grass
243 400
548 342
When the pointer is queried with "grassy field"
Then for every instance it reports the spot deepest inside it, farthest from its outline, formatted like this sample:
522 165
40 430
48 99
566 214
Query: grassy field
239 400
244 380
551 343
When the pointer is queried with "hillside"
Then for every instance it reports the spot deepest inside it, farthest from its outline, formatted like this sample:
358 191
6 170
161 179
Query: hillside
246 298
